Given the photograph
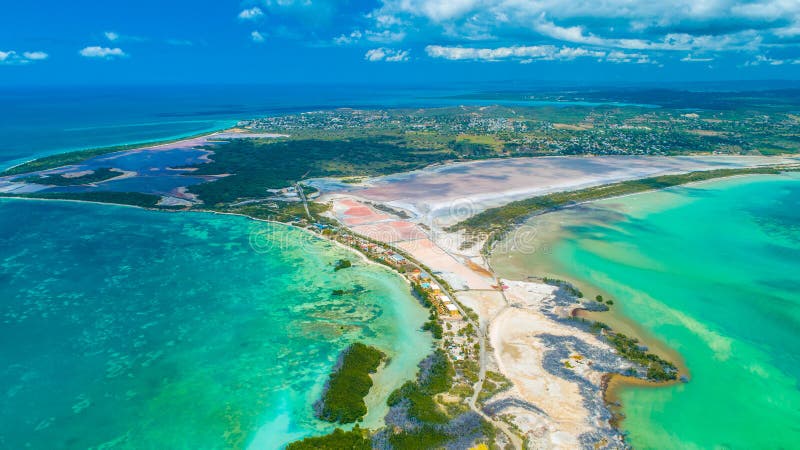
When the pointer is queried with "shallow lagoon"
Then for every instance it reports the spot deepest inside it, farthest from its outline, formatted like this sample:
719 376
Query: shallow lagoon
711 270
136 329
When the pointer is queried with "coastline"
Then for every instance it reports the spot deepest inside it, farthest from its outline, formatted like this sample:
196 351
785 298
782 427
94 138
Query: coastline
615 384
113 148
393 230
609 385
387 375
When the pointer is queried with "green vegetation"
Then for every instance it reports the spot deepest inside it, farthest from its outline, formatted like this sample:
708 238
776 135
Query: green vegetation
276 211
118 198
425 437
658 369
420 394
356 439
343 399
102 174
433 324
260 164
501 219
494 383
342 264
567 286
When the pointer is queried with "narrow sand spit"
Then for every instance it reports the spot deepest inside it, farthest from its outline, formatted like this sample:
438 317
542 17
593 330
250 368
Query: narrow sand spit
556 368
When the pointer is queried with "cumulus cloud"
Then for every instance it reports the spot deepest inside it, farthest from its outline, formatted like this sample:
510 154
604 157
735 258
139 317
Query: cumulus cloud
256 36
769 61
251 14
111 36
345 39
385 36
531 53
690 58
97 51
622 57
386 54
11 57
623 25
35 56
489 54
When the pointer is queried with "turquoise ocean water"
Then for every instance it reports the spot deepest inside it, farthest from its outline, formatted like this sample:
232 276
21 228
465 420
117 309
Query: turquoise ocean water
125 328
713 271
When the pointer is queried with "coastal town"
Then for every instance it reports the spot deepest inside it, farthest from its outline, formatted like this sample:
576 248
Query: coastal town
555 128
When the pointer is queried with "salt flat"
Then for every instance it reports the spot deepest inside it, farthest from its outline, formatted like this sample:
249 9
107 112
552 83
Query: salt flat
445 194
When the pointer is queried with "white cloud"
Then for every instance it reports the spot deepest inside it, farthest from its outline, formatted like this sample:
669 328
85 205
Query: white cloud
531 53
256 36
385 36
386 54
11 57
489 54
35 56
766 60
111 36
672 25
690 58
102 52
622 57
251 14
345 39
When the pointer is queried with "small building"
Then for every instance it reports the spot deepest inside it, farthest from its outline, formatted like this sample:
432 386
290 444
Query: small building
435 288
397 259
424 275
451 309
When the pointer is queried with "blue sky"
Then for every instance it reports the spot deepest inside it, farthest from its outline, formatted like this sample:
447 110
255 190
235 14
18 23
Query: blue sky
265 41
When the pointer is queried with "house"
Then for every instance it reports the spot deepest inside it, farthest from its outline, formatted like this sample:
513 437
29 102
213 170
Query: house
435 288
397 259
451 309
424 276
